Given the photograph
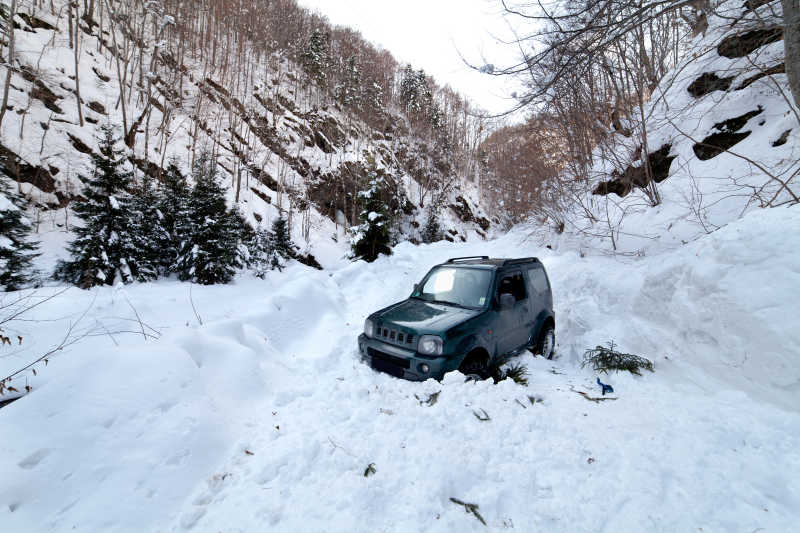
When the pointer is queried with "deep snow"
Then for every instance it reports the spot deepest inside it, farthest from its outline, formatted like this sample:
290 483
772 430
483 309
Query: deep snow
262 418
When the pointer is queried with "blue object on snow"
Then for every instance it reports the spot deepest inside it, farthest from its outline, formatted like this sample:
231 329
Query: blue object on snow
606 388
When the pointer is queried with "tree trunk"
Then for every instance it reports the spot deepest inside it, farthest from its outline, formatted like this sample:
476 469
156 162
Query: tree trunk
791 43
69 18
117 52
238 183
10 63
77 74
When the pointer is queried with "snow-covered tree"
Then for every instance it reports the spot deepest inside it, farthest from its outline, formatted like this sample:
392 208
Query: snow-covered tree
432 231
104 248
416 97
283 248
211 252
17 250
349 91
315 55
412 93
263 253
149 236
245 234
173 204
260 247
372 97
269 249
372 236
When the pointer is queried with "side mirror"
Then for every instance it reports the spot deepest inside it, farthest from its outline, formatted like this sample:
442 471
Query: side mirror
417 287
507 301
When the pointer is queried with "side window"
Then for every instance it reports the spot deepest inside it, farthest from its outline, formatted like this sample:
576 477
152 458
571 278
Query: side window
538 281
513 284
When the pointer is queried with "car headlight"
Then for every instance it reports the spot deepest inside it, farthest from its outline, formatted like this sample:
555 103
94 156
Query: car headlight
430 345
369 328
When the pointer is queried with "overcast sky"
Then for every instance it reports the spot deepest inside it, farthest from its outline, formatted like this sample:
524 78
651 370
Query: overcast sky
430 33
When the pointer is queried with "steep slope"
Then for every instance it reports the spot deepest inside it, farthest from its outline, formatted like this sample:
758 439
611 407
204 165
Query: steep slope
281 142
722 135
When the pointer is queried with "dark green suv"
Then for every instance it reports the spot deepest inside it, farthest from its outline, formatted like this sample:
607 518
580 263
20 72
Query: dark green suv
462 315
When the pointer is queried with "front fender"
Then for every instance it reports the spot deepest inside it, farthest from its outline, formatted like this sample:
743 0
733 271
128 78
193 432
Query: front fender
468 344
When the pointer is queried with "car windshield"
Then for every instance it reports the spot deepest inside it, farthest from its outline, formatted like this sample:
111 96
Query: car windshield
468 287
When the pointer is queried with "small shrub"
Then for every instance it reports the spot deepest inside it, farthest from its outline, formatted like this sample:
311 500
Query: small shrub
518 372
605 359
500 369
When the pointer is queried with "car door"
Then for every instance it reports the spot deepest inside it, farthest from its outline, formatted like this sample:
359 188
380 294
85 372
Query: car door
539 295
512 332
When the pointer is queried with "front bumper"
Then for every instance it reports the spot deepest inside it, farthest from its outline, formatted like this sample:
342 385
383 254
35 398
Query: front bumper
400 362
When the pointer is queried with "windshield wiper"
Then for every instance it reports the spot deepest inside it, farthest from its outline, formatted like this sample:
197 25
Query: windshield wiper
451 303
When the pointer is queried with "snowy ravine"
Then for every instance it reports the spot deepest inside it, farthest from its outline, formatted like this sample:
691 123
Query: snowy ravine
263 419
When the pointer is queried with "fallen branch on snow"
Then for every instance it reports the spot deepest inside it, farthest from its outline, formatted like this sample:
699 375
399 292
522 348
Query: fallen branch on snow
470 508
605 359
483 416
591 398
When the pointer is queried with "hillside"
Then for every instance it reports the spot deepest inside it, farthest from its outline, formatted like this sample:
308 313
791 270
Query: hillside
284 135
717 137
723 135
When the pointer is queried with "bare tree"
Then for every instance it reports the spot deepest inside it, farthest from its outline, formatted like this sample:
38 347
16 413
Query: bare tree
563 23
9 30
77 55
791 42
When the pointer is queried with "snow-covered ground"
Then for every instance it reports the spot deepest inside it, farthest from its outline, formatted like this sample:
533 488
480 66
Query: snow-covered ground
262 417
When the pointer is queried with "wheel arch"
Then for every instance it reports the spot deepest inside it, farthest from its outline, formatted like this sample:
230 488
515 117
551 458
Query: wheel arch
549 320
476 352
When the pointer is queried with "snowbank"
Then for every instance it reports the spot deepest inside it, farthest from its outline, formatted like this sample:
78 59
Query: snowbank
262 417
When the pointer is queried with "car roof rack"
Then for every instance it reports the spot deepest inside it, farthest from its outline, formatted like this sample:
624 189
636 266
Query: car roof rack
455 259
520 261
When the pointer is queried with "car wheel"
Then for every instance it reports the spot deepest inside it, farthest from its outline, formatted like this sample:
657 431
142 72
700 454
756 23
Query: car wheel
547 342
474 368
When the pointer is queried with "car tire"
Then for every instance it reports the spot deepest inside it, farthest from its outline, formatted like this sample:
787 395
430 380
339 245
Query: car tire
474 368
546 344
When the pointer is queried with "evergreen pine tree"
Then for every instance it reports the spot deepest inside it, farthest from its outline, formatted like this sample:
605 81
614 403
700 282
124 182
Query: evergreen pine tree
245 234
416 97
104 247
147 230
211 251
173 204
373 236
315 56
261 252
432 231
350 88
283 248
17 251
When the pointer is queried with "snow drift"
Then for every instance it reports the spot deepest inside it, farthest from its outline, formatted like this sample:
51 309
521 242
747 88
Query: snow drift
262 417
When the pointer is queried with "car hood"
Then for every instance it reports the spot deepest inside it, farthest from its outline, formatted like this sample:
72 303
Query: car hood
425 317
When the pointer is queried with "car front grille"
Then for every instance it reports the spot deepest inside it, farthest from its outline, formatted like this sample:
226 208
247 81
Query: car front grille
396 336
